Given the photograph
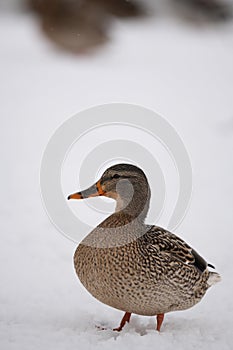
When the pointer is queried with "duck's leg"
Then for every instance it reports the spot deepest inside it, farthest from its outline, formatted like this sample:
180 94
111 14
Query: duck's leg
160 318
125 319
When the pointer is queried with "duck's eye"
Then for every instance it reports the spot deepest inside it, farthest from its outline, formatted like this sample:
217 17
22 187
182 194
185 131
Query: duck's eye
116 176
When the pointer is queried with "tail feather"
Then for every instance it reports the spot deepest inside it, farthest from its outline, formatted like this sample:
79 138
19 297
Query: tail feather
214 277
212 266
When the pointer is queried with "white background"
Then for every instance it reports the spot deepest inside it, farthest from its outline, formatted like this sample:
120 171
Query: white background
185 73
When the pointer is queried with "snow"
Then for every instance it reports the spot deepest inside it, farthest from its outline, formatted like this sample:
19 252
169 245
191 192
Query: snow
183 72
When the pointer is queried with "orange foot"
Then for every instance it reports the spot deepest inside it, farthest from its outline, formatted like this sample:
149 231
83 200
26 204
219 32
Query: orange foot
125 319
160 318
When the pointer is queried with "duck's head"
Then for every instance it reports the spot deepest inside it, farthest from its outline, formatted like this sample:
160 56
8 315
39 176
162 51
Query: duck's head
125 183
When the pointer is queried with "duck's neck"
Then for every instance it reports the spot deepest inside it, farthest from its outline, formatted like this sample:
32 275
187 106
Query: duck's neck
130 207
137 207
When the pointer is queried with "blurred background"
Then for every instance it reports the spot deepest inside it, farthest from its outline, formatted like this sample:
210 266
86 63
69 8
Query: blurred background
82 25
60 57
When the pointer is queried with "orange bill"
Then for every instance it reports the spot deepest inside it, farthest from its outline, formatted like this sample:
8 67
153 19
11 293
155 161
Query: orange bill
93 191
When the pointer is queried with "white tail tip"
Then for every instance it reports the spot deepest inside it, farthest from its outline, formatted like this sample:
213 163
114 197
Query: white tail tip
214 277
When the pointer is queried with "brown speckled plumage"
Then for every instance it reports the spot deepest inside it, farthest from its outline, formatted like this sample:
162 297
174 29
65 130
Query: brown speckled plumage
132 266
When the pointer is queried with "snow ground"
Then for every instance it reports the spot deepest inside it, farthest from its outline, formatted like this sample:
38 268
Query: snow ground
184 73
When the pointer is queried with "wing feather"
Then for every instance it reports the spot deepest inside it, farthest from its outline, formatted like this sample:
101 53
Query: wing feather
165 242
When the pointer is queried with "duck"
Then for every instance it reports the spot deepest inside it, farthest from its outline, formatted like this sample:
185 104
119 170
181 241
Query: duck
132 266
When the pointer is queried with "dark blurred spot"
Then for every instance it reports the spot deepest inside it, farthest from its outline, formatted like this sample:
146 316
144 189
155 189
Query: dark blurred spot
208 10
81 25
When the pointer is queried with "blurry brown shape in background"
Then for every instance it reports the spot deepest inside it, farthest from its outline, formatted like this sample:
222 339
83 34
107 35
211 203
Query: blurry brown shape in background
77 25
81 25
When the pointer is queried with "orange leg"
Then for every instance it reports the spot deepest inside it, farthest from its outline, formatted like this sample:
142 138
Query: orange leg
160 318
125 319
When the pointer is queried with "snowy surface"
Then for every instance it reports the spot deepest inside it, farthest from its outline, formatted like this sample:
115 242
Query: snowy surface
181 71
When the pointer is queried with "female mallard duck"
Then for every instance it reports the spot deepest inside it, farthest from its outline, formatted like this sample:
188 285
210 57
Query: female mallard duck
134 267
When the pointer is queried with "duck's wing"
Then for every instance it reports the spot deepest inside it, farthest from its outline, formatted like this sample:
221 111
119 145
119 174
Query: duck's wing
161 241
